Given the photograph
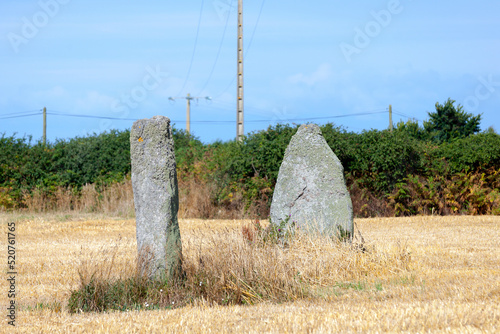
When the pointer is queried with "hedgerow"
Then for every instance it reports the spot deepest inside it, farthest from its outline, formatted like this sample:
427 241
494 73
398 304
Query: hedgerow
382 166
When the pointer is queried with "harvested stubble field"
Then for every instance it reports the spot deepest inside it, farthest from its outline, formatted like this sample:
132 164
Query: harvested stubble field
420 274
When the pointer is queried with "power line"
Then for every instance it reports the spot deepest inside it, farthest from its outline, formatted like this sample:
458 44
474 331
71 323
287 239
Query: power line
318 118
91 116
218 51
194 50
56 113
19 116
296 119
20 112
188 109
301 119
407 116
255 27
247 48
229 106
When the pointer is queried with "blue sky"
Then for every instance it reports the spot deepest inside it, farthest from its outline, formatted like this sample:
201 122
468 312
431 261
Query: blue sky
303 62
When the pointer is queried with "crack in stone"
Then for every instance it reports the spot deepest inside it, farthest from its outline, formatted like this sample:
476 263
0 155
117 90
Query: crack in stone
300 195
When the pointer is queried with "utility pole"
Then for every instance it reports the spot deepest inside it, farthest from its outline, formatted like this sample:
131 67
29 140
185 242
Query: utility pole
188 113
390 117
44 126
188 107
239 99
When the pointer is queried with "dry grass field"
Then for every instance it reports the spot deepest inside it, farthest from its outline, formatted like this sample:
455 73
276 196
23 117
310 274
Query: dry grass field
420 274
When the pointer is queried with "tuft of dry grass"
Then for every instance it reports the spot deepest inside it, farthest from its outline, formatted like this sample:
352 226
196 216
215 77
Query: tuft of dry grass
116 199
223 267
196 199
420 274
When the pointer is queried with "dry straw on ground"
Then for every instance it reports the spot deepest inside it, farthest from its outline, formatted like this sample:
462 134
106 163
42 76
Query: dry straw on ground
437 274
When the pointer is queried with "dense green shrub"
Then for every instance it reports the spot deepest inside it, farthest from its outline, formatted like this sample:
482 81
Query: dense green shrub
378 164
412 129
380 159
188 150
12 155
467 154
98 158
260 153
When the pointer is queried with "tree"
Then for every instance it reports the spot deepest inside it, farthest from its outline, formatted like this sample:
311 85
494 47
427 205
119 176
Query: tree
412 129
449 122
490 129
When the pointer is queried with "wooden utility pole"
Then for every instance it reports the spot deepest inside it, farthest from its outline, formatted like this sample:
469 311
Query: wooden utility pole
390 117
188 113
239 99
44 126
188 107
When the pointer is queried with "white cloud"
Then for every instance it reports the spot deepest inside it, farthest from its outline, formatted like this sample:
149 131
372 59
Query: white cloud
94 102
323 73
51 93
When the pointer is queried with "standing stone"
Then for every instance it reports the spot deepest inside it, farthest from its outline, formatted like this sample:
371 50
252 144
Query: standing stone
156 198
311 189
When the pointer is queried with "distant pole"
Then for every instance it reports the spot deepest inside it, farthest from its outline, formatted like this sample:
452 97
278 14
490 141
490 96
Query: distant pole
44 126
390 117
239 99
188 107
188 113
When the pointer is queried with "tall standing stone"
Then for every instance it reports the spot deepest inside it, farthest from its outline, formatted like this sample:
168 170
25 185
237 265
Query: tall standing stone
311 188
156 198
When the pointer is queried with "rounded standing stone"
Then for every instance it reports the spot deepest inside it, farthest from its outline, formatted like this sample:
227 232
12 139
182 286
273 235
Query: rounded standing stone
311 189
156 198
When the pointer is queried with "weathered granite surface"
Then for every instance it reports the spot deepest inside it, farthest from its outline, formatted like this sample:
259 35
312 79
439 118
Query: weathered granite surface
311 188
156 198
